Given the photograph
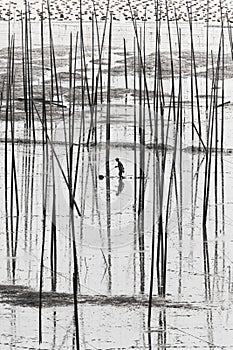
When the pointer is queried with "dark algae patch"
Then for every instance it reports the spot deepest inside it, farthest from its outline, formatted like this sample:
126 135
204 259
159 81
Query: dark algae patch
24 296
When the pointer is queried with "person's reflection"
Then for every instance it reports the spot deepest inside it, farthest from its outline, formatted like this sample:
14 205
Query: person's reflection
121 186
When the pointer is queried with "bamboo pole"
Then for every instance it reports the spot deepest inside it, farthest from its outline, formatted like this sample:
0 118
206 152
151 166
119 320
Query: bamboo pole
28 74
142 65
135 165
223 77
199 131
100 50
192 88
107 157
14 186
171 61
9 59
52 56
44 180
93 105
27 93
53 245
152 243
23 69
207 60
71 211
31 78
92 58
125 62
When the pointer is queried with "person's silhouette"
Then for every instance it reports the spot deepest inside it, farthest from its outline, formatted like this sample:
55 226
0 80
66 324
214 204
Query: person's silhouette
120 167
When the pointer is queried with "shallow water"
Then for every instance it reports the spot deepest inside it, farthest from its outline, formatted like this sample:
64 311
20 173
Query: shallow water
172 328
109 257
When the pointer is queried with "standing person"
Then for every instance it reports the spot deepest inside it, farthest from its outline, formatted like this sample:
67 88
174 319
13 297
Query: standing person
120 167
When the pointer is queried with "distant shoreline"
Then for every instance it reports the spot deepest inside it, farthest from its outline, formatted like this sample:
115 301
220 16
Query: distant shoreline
61 10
